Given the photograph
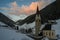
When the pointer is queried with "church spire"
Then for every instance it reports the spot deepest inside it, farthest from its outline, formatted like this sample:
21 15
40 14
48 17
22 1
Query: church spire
37 10
37 22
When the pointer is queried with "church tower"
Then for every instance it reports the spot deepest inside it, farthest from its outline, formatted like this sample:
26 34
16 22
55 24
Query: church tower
37 22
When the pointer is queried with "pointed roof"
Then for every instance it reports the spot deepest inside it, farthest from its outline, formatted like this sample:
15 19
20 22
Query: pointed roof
37 10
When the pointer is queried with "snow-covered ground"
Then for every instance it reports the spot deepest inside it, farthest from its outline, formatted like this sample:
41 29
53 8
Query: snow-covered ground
57 27
10 34
7 33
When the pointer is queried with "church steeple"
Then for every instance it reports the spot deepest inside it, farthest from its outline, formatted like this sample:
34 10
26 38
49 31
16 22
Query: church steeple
37 22
38 13
37 10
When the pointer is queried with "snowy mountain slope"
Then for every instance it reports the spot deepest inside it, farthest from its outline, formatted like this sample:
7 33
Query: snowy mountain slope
55 27
11 34
47 13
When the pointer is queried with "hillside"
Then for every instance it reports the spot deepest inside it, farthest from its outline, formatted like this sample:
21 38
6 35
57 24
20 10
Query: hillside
50 12
6 20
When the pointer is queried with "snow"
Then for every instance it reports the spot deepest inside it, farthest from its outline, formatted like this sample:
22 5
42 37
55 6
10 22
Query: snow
57 27
2 23
10 34
7 33
45 38
27 26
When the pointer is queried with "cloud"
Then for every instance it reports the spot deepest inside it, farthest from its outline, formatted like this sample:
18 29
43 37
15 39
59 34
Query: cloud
31 8
14 5
25 9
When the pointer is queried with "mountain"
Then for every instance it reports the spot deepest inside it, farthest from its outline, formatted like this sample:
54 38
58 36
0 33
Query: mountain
50 12
6 20
10 34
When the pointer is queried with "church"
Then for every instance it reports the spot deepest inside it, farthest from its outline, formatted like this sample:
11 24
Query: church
46 31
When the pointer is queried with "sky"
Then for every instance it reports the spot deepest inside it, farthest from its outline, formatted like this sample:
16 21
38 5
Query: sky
20 9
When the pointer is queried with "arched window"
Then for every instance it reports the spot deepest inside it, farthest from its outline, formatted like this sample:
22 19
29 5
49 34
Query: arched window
52 33
39 20
49 33
46 33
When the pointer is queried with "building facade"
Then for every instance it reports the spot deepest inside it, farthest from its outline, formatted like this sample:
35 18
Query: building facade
37 23
49 33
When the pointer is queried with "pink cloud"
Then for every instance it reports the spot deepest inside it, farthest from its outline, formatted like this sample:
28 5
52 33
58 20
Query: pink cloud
24 8
13 5
31 8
